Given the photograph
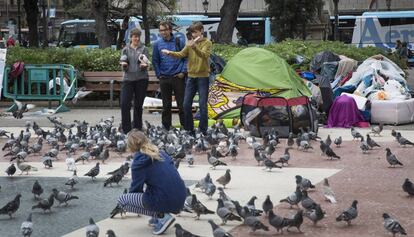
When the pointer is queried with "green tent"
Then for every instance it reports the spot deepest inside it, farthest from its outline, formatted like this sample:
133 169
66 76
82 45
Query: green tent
252 69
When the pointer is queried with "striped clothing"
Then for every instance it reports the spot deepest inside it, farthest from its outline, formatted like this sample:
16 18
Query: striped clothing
132 202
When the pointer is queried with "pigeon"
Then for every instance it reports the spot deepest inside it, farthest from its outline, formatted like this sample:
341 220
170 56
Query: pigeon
269 164
254 223
371 143
328 140
296 221
408 187
81 93
37 190
110 233
210 190
364 146
63 197
267 205
118 210
92 230
27 227
316 214
285 157
25 167
394 133
349 214
181 232
11 170
22 108
3 133
331 154
116 178
70 163
217 231
47 161
202 184
290 142
93 172
259 156
305 146
103 156
277 222
303 183
323 147
402 140
213 161
392 225
252 207
328 193
11 207
199 208
293 199
72 181
338 141
225 179
307 202
45 204
225 214
189 158
392 159
355 134
376 130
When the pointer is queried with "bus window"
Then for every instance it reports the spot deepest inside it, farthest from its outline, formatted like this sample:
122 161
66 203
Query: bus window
252 31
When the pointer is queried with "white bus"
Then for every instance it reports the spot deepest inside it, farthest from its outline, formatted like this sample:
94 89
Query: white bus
383 29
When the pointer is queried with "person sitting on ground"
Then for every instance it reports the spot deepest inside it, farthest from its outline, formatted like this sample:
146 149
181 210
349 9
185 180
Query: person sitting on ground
241 41
165 191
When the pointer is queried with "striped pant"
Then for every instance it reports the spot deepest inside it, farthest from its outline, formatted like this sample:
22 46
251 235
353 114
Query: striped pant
132 202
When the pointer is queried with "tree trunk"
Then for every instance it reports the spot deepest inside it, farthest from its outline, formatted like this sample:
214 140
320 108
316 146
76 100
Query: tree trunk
122 31
145 22
100 10
30 7
228 14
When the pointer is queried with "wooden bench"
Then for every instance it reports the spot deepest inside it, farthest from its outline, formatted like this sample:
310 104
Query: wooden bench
111 81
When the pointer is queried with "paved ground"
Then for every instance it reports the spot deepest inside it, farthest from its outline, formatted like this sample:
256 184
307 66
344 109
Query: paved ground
366 178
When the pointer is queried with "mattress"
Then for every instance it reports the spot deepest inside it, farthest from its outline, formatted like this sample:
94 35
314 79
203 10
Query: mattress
392 111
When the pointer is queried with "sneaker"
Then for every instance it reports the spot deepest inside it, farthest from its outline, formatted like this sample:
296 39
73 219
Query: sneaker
153 222
163 224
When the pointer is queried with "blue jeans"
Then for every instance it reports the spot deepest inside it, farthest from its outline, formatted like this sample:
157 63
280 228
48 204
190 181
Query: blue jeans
194 85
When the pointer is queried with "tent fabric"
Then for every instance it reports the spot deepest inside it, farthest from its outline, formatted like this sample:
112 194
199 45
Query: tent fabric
323 57
252 70
344 113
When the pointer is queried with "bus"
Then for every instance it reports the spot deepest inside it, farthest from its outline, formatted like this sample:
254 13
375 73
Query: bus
382 29
81 33
345 28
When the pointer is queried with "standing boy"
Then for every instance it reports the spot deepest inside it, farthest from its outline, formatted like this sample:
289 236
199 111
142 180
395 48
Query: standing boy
171 73
198 51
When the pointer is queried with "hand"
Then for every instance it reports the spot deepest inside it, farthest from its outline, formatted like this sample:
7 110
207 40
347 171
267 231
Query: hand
191 43
124 64
180 75
143 65
165 51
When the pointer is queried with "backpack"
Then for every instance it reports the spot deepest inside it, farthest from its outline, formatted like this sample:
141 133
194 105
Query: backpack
16 70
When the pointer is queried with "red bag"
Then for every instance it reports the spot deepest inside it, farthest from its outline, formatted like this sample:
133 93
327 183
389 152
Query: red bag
16 70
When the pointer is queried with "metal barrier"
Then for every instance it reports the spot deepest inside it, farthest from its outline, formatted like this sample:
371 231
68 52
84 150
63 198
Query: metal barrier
39 82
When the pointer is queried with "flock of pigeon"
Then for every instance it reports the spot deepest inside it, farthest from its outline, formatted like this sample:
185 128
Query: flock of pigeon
82 142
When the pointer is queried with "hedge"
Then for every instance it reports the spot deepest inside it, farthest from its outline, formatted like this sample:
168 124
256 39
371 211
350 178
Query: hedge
108 59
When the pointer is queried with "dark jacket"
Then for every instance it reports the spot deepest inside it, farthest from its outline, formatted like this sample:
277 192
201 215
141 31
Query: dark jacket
165 190
165 65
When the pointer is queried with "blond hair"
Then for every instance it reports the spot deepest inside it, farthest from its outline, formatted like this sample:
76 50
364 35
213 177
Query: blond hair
137 141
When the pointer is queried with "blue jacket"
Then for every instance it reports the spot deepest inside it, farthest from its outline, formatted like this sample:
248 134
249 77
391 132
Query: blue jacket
166 65
165 190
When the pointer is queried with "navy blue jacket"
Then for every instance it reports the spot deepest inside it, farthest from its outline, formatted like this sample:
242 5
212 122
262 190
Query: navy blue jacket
165 190
165 65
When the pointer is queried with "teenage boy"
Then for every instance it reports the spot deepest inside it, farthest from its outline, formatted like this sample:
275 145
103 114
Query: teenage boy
198 51
170 71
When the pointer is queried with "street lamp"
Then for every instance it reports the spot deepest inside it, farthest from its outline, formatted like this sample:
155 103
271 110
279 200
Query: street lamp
205 6
336 31
388 3
19 26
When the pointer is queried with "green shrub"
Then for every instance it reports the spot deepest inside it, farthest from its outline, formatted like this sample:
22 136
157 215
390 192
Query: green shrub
108 59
